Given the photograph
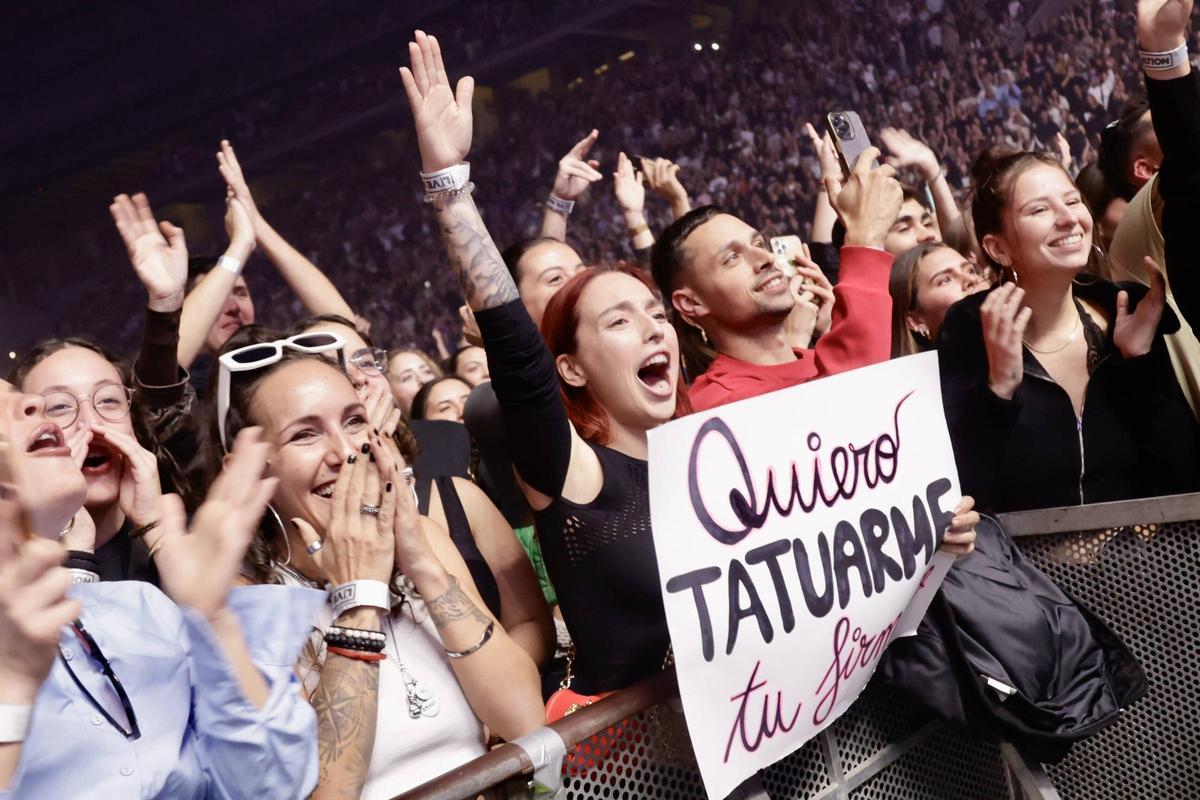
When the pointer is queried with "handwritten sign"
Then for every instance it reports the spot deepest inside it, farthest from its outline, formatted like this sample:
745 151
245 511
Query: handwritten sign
797 536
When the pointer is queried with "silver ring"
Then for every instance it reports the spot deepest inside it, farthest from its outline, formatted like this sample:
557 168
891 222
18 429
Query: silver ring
366 509
314 547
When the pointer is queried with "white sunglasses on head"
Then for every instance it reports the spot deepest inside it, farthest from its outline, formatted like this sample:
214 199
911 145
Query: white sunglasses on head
264 354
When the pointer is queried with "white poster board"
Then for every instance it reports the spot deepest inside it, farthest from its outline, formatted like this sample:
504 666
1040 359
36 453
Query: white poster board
796 535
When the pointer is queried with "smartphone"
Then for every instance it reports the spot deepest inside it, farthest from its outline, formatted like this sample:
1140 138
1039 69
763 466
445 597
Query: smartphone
639 163
785 249
849 137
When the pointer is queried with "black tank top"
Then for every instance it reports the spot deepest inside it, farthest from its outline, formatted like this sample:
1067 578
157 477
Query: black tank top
460 534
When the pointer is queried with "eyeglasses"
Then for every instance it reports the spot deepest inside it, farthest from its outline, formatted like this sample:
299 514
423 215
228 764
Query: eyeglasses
93 650
111 402
257 356
372 360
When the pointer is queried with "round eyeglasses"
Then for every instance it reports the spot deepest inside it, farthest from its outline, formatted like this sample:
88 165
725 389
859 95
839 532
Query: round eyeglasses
371 360
111 402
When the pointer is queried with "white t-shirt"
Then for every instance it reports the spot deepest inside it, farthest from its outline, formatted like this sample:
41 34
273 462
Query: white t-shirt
407 752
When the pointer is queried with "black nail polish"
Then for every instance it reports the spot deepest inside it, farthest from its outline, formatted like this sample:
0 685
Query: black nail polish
388 488
352 459
372 457
295 525
366 448
376 431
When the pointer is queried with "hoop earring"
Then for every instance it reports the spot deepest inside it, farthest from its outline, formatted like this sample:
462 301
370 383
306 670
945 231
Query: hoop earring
283 532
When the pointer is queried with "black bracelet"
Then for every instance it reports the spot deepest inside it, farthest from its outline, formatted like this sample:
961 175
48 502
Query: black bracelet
355 639
81 559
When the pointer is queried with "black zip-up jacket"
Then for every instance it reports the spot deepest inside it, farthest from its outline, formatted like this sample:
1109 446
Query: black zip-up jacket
1137 436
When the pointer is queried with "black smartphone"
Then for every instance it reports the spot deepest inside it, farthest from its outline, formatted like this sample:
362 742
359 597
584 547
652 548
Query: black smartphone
849 137
638 163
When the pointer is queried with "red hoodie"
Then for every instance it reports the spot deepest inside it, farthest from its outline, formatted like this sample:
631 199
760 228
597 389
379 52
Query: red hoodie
861 334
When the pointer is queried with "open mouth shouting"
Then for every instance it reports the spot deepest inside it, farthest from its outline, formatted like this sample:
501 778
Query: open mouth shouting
655 374
48 441
325 490
99 460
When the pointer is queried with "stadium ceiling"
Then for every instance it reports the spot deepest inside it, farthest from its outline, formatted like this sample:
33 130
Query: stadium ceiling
98 91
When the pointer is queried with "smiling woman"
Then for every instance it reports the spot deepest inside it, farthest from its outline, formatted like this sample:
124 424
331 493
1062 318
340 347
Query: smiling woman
343 514
1057 391
88 394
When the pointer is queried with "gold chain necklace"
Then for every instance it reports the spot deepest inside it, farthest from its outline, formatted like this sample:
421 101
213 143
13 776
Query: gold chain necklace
1074 335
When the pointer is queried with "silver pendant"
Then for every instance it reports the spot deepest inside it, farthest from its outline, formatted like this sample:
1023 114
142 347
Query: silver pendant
421 700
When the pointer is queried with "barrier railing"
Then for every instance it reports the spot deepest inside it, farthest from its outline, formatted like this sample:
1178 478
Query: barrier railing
1135 563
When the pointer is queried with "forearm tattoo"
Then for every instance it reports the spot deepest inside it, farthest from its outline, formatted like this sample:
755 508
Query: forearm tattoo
346 702
454 605
486 282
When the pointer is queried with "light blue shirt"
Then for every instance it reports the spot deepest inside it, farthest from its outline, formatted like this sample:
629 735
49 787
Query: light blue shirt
201 738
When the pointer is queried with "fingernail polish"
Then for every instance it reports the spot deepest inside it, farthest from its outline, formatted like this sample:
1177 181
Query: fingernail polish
388 488
352 459
295 525
376 431
366 448
372 457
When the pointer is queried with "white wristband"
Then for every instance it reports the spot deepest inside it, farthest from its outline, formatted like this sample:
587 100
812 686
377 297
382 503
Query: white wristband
359 593
14 722
230 264
83 576
564 207
446 180
1163 60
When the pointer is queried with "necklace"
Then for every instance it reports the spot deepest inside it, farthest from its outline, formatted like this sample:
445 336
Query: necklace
422 702
1074 335
295 574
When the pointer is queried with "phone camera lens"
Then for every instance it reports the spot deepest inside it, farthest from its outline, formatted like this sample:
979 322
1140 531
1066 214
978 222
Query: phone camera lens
842 127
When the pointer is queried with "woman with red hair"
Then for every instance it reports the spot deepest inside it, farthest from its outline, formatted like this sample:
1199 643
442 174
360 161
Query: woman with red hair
580 450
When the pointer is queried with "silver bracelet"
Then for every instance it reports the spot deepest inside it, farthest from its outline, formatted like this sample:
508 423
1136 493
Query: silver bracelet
436 197
564 207
487 634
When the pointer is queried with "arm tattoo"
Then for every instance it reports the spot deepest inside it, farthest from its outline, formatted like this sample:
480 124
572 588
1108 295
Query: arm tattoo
346 702
454 605
486 282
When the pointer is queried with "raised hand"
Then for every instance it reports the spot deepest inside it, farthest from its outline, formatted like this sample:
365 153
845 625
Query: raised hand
240 228
1004 320
831 165
157 251
1134 334
140 492
1162 24
442 117
629 186
235 181
576 172
1064 150
959 537
663 179
470 326
358 545
908 151
382 413
198 568
868 202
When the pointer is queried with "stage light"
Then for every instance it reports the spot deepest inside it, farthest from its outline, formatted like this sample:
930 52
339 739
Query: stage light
716 46
12 355
697 47
628 54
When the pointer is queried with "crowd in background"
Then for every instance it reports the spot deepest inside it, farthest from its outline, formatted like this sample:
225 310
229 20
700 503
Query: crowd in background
734 123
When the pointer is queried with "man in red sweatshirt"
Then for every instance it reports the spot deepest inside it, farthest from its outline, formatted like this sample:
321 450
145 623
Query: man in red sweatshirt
720 277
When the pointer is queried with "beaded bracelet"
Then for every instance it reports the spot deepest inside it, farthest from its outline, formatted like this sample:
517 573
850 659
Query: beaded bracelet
434 197
355 639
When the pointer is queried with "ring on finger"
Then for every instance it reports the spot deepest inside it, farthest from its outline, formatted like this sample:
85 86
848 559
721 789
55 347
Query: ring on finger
314 547
368 509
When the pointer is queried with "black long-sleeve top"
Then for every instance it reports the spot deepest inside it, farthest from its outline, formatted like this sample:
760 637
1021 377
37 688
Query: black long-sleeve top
600 555
1137 436
1175 110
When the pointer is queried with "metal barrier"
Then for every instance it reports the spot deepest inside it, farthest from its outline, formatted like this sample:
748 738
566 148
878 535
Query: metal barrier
1136 564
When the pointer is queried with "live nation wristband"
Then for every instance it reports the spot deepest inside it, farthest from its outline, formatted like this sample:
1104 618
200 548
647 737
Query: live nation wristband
564 207
1163 60
83 576
230 264
359 593
446 180
14 722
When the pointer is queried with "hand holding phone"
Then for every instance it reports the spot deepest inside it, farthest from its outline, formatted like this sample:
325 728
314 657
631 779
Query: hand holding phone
849 137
